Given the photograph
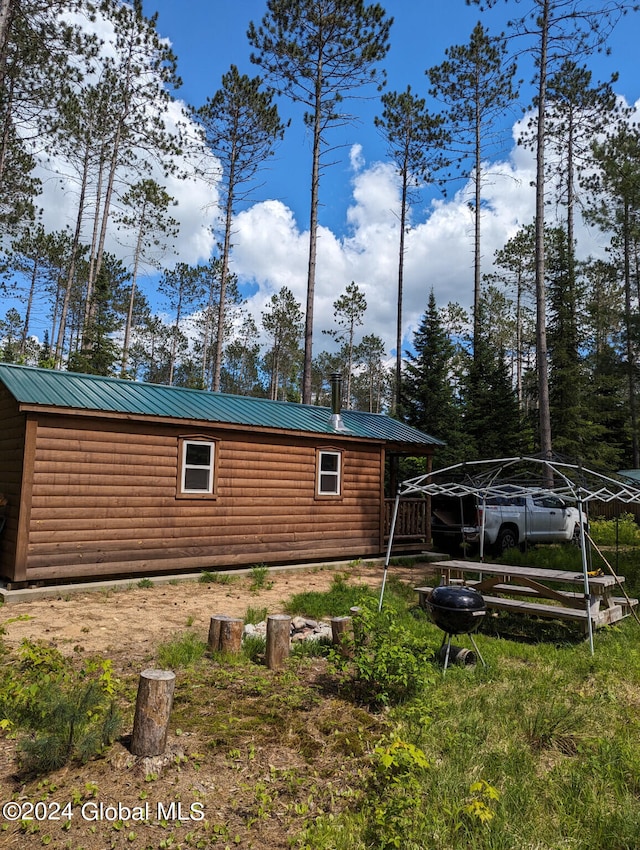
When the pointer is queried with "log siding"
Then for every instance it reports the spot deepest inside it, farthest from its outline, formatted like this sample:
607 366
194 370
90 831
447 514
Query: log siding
104 501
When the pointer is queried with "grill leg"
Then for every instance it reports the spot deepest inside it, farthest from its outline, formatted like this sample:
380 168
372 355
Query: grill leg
447 640
475 646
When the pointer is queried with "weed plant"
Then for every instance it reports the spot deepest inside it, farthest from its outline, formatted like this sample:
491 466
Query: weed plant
259 576
184 650
255 615
207 577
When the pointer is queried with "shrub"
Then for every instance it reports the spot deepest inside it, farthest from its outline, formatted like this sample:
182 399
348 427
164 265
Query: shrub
384 661
623 531
59 713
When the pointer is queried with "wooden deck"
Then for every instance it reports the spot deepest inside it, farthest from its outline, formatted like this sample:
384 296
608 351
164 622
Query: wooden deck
558 594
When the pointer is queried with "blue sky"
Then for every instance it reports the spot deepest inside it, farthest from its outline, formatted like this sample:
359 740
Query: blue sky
209 35
359 194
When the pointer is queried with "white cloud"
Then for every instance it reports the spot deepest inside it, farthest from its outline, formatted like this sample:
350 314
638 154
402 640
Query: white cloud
270 250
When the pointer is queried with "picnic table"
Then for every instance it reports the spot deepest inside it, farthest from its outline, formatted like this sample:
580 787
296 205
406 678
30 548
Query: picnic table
558 594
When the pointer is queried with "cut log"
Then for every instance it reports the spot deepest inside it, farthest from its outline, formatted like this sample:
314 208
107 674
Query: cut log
278 640
153 709
358 624
342 634
225 634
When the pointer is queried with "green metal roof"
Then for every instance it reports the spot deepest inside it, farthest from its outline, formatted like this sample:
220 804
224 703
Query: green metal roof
72 391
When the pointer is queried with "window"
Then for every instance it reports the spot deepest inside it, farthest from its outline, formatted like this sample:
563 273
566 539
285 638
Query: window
197 468
329 469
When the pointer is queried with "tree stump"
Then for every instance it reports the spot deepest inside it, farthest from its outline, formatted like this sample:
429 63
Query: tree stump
278 640
342 634
225 634
153 709
358 625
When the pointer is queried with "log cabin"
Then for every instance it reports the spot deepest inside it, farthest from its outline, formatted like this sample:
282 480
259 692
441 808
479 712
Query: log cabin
104 477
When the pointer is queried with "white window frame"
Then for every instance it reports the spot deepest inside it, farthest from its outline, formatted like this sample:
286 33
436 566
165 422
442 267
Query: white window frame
210 467
335 475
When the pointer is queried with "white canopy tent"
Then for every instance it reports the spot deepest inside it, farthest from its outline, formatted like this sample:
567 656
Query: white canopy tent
519 476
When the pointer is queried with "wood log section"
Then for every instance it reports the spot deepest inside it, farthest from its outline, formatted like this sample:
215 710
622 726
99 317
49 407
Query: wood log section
225 634
153 709
358 625
342 634
278 640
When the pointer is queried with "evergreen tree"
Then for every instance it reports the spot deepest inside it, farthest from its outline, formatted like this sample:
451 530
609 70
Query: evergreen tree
412 134
492 422
605 378
348 313
241 126
283 324
241 370
372 381
145 214
514 266
182 287
428 399
317 53
554 30
615 209
103 352
476 84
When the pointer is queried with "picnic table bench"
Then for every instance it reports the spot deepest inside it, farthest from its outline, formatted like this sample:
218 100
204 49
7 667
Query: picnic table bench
502 587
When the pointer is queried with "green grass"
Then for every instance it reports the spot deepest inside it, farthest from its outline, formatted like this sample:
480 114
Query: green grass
334 603
183 650
539 751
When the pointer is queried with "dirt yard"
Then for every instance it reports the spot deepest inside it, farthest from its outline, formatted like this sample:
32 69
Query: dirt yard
252 754
127 625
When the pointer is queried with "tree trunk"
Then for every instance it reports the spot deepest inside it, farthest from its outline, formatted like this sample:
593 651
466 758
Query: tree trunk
278 640
225 634
313 242
342 634
544 409
153 709
403 221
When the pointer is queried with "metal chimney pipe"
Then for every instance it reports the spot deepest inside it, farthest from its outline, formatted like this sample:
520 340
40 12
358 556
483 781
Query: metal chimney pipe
336 393
336 402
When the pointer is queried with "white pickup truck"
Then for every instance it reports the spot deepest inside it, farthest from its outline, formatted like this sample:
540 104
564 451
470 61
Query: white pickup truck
513 520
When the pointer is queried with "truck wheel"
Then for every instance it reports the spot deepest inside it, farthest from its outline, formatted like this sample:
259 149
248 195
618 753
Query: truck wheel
576 534
507 539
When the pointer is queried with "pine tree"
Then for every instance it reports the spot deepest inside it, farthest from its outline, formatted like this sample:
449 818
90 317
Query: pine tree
492 422
145 214
428 399
615 209
348 313
283 323
414 137
317 53
476 84
241 126
182 287
554 30
371 384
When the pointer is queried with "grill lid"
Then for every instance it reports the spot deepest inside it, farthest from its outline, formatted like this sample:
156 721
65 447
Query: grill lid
457 598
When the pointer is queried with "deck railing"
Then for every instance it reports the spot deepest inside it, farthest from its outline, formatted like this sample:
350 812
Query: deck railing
412 523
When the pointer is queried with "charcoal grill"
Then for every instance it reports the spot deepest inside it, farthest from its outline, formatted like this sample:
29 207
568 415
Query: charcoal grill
457 610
